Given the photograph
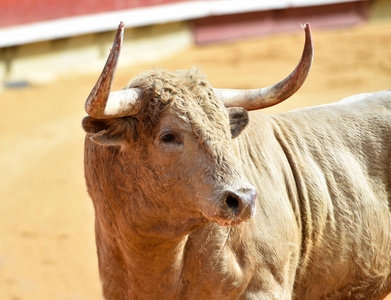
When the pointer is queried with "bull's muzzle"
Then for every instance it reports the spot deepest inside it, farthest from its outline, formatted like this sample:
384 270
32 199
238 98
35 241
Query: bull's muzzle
239 205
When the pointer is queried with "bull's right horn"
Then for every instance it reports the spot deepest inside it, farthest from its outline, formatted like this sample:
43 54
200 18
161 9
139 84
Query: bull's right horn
103 104
272 95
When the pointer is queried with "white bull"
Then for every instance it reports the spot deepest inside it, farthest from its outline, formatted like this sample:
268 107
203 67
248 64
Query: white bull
296 206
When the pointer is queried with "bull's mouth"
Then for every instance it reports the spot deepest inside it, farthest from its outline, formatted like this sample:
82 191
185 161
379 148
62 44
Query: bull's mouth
229 223
227 218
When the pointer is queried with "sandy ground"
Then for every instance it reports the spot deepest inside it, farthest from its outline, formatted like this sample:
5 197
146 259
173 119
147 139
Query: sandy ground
47 248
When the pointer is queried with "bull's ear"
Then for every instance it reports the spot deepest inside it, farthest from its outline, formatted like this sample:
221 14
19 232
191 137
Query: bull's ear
110 132
238 120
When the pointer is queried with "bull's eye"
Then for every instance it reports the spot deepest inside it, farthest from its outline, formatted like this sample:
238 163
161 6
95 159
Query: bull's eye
168 138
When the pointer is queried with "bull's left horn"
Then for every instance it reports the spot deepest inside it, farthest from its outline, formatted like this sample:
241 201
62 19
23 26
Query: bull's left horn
103 104
272 95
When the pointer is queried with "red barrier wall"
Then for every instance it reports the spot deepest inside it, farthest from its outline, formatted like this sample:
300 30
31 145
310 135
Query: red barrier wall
17 12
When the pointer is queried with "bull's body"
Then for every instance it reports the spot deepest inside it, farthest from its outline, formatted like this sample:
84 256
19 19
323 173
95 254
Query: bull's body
174 189
328 167
322 227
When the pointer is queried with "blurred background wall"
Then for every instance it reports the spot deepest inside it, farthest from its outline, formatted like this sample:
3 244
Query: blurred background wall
41 40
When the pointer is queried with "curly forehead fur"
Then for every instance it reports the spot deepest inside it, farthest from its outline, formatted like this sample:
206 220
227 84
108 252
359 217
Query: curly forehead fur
188 95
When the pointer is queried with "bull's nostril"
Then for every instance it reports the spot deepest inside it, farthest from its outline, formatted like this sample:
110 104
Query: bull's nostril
232 202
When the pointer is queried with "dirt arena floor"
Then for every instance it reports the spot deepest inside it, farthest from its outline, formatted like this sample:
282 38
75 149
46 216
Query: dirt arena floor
47 247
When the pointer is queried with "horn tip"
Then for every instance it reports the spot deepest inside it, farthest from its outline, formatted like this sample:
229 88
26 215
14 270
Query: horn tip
306 27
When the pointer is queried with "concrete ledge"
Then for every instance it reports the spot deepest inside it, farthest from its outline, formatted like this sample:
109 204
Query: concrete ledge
381 10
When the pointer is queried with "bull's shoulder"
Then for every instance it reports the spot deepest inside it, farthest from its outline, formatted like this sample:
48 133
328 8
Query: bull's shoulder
351 122
358 126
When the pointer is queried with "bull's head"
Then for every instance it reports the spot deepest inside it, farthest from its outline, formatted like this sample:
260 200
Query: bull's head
175 134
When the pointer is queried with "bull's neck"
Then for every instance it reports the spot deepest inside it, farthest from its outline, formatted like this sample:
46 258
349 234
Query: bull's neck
133 266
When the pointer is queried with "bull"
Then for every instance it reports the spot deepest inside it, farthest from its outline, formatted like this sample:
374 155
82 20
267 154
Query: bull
193 201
